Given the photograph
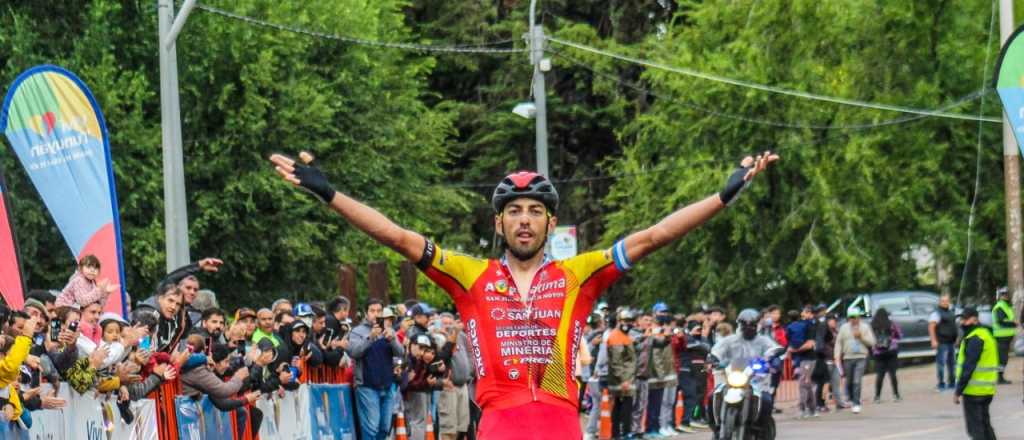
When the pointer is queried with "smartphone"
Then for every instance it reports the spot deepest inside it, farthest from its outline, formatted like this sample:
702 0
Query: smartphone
73 326
54 330
146 343
328 336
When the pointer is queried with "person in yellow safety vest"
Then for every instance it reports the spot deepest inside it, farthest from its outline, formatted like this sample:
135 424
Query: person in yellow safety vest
1004 327
977 369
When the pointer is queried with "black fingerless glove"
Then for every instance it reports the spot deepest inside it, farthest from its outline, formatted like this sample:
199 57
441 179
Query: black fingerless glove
734 185
314 181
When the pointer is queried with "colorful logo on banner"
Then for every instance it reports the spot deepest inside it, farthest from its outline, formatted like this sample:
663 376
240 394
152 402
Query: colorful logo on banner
1009 82
60 137
12 286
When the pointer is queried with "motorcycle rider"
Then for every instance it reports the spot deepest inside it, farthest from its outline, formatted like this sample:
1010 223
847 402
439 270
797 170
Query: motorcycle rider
744 345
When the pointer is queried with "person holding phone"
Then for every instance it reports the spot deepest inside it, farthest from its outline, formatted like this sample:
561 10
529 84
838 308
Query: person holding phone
373 347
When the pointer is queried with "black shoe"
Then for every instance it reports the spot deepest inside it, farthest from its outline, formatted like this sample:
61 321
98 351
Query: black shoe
1004 382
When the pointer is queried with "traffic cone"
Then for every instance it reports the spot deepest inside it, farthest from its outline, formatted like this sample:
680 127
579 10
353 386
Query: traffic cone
679 408
606 417
400 432
430 426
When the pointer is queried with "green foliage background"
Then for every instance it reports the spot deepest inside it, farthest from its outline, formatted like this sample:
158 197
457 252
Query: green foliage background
424 136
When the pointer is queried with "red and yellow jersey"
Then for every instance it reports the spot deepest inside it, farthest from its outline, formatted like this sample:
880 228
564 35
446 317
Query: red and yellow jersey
524 351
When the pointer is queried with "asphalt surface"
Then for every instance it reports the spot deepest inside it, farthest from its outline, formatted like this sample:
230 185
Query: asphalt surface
922 414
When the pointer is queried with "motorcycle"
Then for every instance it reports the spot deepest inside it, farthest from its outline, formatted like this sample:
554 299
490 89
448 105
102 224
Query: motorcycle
738 410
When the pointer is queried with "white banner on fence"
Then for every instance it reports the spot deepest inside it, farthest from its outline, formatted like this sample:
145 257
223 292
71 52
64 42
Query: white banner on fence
86 417
286 417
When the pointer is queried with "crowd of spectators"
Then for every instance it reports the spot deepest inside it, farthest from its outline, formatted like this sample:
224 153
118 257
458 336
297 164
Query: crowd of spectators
406 357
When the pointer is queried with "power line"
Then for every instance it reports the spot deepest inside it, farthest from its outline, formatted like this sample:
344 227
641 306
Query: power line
773 123
977 158
767 88
469 48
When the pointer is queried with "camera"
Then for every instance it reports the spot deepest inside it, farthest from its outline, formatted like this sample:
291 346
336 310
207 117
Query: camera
434 369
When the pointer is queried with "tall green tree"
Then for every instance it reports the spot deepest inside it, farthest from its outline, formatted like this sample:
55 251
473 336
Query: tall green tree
845 206
246 92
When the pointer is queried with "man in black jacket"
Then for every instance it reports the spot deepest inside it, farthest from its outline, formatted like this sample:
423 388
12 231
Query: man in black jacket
172 325
185 279
333 349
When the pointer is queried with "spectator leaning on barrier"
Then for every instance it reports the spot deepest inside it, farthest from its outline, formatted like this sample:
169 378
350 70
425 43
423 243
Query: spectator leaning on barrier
373 346
296 344
226 364
265 327
338 323
282 319
46 298
333 350
421 318
853 343
268 374
185 279
211 327
198 379
172 326
422 377
247 318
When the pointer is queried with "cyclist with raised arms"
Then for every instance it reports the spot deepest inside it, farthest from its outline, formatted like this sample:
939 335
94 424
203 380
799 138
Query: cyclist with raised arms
524 313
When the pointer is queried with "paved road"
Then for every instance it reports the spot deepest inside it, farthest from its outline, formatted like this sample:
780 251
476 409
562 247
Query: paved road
923 413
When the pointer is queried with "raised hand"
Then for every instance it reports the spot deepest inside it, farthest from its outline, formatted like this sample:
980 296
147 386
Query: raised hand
210 264
98 356
742 176
304 175
30 327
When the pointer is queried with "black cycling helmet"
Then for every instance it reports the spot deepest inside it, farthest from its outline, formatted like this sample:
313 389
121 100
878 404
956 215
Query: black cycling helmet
525 184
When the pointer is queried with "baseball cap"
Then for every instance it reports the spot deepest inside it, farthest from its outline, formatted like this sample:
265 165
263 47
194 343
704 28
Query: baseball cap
35 304
303 309
969 312
420 309
108 316
244 313
266 344
424 341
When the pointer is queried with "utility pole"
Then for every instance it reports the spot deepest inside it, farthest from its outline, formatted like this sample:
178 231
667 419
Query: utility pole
1011 175
175 210
540 100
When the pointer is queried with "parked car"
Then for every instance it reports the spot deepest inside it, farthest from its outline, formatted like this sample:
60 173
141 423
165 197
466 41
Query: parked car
908 309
